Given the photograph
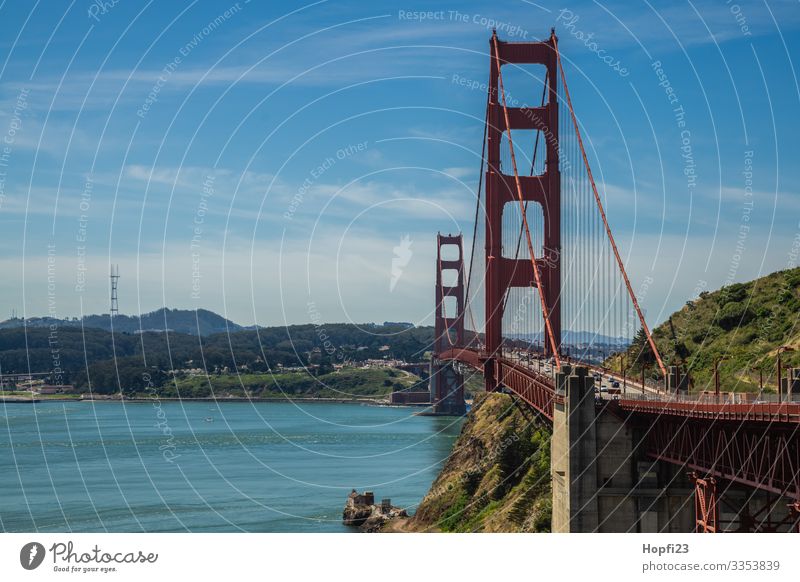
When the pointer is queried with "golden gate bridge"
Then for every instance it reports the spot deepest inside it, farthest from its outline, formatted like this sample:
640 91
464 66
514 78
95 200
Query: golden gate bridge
649 456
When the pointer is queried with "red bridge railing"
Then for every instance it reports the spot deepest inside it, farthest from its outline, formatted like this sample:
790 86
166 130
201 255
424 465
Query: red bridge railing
772 412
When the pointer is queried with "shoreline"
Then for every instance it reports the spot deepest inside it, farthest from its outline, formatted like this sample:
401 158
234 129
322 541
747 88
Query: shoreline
235 399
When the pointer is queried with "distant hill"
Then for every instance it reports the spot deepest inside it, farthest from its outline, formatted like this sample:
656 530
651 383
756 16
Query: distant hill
744 322
106 362
200 322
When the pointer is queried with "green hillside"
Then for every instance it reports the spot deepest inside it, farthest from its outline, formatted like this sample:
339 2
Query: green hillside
744 323
113 362
497 477
345 384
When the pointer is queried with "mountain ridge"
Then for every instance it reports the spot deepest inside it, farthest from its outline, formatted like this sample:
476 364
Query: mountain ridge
199 322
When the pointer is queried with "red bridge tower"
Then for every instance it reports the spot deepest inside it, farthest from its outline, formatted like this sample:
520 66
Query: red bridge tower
503 273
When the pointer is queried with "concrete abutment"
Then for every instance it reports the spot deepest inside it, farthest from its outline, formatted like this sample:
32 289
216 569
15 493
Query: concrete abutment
602 481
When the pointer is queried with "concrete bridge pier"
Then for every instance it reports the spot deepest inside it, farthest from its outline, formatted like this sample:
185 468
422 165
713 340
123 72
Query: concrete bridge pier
601 480
447 389
573 452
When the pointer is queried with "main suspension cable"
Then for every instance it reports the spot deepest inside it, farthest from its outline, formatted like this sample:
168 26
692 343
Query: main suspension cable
467 302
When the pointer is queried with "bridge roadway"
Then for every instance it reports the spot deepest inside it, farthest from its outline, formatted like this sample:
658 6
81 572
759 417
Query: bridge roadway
535 384
754 444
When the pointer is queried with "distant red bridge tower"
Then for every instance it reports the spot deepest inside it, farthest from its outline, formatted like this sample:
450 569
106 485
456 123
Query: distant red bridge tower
446 382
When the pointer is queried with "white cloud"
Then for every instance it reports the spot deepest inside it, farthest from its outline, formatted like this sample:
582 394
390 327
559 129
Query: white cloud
460 172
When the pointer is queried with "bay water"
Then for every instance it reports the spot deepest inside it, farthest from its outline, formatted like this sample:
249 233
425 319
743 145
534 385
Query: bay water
209 466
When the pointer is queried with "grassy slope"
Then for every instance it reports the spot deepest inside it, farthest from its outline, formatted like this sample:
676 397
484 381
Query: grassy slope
744 322
497 479
346 383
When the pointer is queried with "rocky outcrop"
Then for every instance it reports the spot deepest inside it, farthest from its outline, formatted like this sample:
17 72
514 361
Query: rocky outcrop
361 511
497 477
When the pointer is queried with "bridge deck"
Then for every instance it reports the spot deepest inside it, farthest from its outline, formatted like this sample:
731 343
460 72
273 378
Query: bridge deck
752 443
537 388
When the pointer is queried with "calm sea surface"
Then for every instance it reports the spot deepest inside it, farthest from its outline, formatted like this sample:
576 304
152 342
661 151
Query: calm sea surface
202 466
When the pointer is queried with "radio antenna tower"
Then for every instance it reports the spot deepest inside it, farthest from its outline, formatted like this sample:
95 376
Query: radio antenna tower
114 283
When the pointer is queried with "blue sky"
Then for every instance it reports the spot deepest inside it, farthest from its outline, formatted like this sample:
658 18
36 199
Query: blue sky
255 158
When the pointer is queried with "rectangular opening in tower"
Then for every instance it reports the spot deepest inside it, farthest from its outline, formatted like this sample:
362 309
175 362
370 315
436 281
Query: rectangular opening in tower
449 252
523 322
529 150
515 240
524 85
449 277
450 306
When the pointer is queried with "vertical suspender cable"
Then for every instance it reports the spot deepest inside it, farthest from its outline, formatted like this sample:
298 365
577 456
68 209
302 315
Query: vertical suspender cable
603 215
